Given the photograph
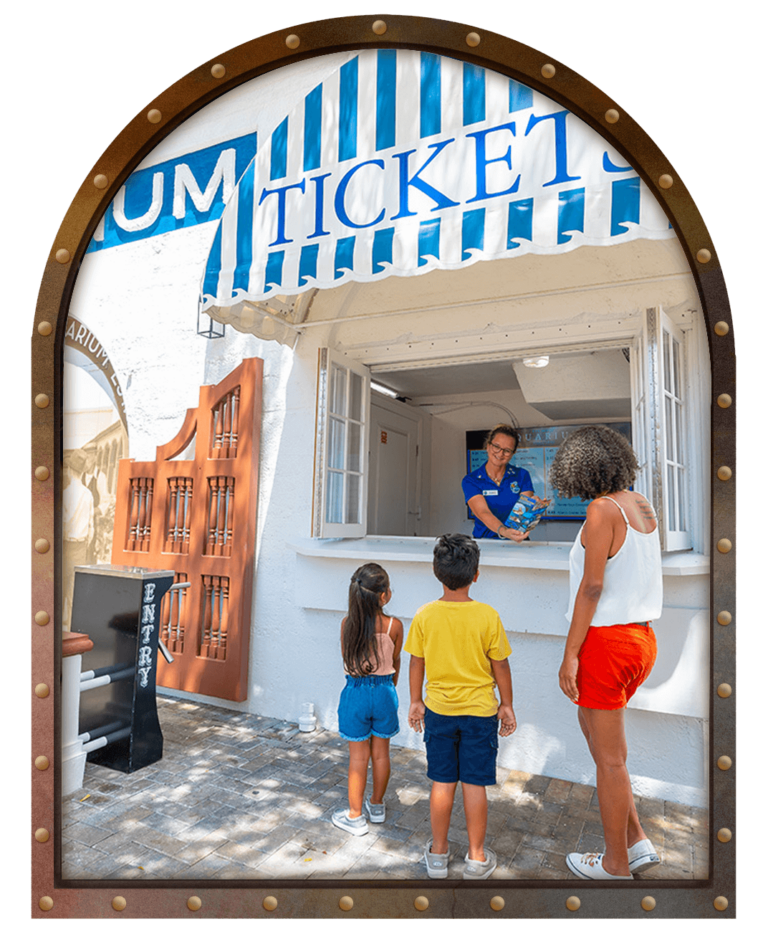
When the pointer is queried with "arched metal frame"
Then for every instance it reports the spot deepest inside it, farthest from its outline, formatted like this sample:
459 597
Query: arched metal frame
377 899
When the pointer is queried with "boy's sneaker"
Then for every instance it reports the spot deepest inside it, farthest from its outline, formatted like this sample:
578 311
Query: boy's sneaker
355 826
480 870
376 813
437 864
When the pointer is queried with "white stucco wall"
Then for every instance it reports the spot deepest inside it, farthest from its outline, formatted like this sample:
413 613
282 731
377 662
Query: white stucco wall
140 300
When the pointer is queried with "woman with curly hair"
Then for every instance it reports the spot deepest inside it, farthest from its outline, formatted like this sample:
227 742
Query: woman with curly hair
616 591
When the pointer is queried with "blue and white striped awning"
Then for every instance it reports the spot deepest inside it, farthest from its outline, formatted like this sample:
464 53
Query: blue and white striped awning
403 162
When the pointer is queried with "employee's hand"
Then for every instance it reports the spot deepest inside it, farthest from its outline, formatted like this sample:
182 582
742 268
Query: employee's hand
511 534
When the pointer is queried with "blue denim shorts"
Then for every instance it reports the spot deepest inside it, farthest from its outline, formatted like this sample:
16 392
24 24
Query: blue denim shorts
368 707
461 748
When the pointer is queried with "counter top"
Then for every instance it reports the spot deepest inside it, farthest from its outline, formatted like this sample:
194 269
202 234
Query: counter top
539 555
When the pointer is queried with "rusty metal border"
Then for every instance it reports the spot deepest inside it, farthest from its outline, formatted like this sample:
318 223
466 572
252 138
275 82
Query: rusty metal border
275 899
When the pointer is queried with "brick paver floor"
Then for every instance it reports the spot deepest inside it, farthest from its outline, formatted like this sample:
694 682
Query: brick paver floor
238 796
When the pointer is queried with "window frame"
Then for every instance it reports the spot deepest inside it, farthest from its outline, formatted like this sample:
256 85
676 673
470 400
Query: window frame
674 437
326 419
647 389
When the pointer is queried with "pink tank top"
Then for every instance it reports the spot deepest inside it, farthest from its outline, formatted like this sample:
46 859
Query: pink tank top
386 652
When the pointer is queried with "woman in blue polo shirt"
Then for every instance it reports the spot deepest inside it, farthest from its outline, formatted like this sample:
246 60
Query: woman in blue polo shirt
491 491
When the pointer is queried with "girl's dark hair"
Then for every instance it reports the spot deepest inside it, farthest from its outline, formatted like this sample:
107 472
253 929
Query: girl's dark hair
593 461
506 429
359 647
456 559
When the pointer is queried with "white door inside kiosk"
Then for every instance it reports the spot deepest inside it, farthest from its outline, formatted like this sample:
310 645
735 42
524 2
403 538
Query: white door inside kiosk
394 493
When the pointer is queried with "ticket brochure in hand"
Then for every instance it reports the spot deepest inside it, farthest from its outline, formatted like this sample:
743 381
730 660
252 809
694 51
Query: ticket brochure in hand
526 513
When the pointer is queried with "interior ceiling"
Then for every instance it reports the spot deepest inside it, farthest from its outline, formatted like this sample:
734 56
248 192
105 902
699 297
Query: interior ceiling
473 377
467 377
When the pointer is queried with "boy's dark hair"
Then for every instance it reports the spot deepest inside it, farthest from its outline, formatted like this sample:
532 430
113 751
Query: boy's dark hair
456 559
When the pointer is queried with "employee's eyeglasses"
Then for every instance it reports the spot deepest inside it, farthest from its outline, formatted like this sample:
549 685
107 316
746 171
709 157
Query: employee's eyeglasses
501 451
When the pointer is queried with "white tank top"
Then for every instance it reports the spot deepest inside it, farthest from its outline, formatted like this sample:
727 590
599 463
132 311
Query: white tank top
632 588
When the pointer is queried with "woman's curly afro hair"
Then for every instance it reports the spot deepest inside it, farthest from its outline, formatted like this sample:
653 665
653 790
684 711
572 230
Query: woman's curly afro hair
593 461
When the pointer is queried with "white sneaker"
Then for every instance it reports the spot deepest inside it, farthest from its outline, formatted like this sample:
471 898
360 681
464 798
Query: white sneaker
376 813
480 870
642 856
355 826
590 867
437 864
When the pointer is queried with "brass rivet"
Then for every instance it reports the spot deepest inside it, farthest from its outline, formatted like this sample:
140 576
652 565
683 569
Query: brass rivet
724 690
42 618
118 903
270 903
42 835
46 903
421 903
41 762
42 690
473 39
703 255
292 41
154 116
218 70
62 255
666 181
379 27
648 903
194 903
42 473
724 762
724 545
45 328
720 903
573 903
42 545
612 115
497 903
346 903
100 181
724 400
724 835
548 71
724 618
42 401
722 328
724 472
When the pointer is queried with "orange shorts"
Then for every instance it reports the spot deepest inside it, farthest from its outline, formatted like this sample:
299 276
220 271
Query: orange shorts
613 662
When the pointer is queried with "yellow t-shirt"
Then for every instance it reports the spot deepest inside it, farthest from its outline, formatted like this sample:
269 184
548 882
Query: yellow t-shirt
457 641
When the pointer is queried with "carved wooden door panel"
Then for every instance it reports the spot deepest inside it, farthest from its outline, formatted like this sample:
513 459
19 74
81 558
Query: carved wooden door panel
197 517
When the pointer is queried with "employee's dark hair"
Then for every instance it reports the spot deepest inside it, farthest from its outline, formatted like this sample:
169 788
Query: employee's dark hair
359 647
593 461
507 429
455 560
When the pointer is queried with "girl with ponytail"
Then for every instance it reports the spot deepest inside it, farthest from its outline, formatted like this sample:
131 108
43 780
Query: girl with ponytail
370 649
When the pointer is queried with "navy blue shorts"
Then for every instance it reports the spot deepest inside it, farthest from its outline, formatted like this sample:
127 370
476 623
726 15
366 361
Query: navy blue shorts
461 748
368 707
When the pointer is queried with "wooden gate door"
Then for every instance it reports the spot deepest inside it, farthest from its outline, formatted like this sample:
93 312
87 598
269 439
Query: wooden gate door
197 517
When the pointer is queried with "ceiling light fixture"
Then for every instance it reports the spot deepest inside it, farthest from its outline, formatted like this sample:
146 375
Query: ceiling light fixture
536 361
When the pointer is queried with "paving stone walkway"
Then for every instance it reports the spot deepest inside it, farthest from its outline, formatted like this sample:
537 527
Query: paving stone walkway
238 796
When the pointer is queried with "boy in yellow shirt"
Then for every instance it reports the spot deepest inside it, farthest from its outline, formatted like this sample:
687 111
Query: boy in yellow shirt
461 646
